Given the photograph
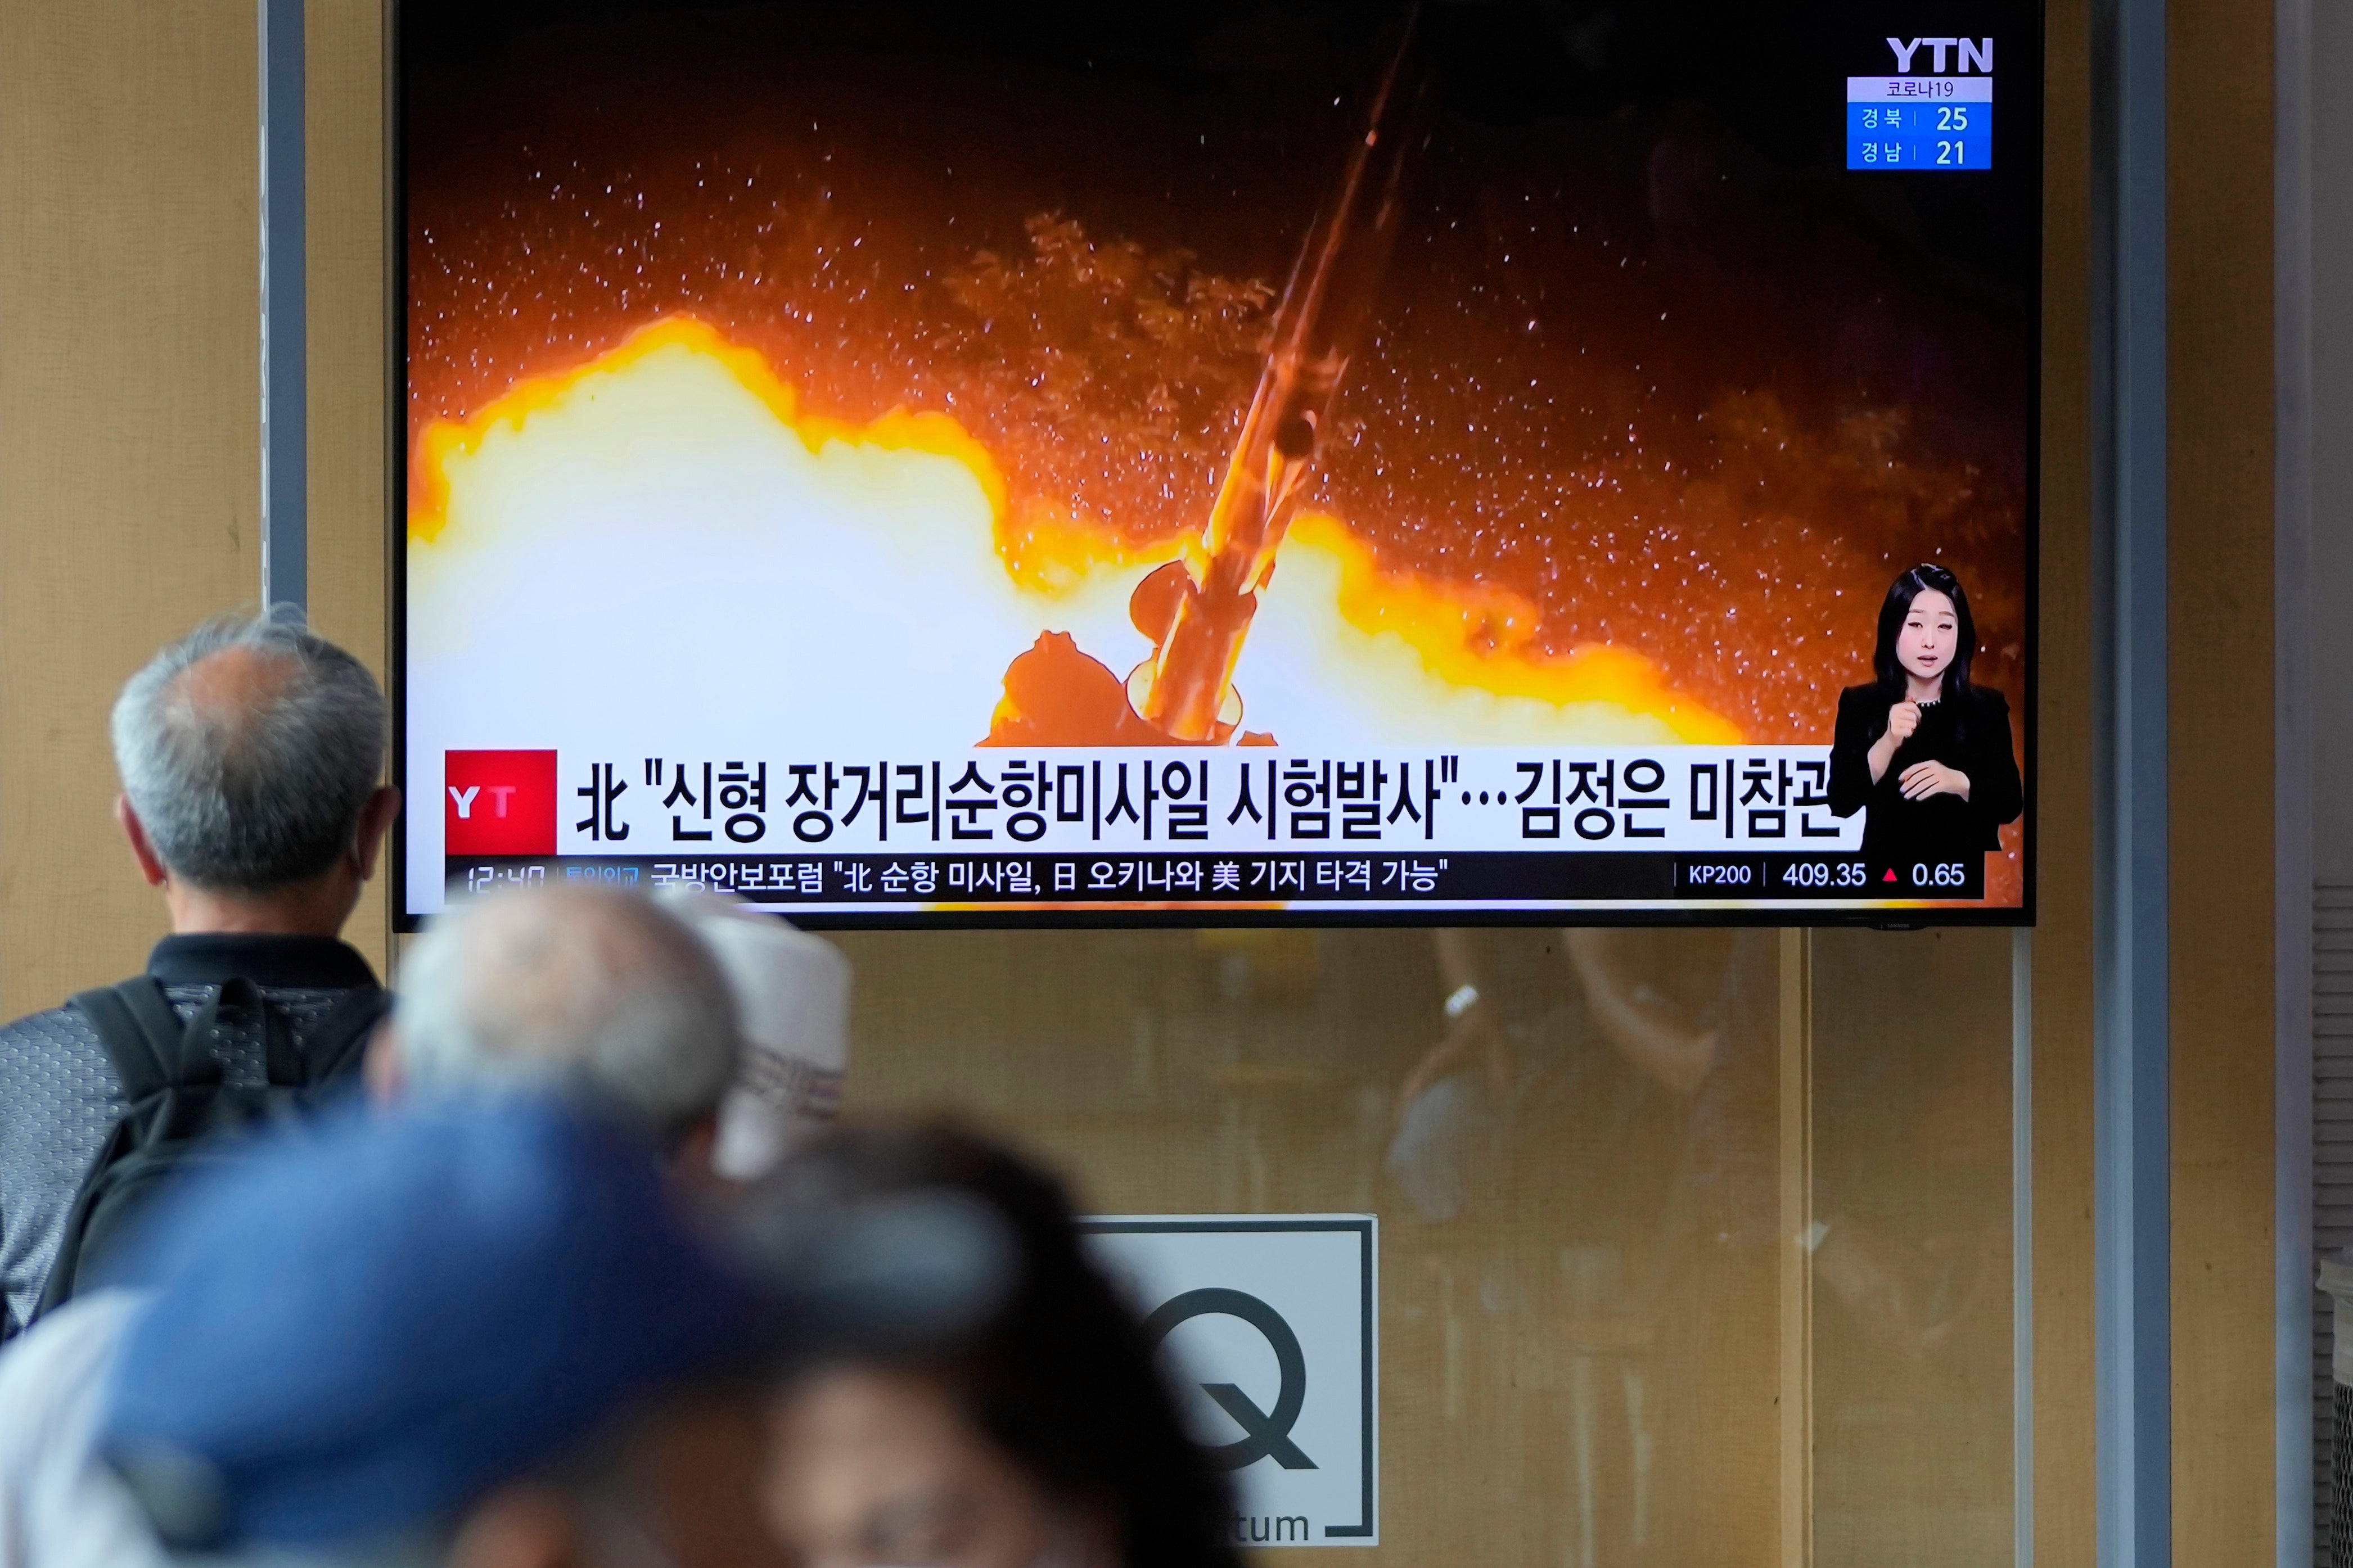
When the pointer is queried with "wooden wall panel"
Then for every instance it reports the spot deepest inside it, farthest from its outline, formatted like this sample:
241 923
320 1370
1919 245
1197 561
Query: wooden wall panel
2063 1453
130 437
344 162
2220 366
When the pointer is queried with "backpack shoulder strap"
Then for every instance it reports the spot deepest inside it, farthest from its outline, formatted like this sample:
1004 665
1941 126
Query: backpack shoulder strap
149 1046
334 1047
144 1037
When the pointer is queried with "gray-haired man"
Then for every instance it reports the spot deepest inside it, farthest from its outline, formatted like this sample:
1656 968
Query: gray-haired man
249 753
587 989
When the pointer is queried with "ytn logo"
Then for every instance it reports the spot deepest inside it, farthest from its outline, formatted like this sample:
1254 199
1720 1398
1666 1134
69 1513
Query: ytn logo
498 802
1968 54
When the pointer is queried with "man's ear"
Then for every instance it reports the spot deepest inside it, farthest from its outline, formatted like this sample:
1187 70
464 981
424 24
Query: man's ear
150 865
521 1526
375 821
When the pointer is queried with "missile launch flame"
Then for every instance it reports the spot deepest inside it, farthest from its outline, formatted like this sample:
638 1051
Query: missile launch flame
892 544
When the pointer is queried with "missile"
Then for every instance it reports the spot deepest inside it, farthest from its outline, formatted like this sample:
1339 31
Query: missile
1198 610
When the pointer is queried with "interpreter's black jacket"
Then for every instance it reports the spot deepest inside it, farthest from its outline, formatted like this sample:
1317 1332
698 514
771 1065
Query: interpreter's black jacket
1971 735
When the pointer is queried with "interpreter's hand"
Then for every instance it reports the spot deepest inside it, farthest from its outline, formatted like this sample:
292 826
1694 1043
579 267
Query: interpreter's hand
1902 720
1922 780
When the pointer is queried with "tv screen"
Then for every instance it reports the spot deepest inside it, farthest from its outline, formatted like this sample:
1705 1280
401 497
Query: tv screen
1541 460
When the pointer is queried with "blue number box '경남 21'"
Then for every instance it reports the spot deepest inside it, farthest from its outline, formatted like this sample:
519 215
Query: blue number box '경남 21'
1931 123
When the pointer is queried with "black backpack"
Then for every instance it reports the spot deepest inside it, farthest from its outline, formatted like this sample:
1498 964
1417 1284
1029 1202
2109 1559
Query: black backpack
177 1100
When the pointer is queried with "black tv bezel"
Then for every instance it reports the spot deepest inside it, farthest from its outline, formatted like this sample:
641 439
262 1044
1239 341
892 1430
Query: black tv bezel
1808 915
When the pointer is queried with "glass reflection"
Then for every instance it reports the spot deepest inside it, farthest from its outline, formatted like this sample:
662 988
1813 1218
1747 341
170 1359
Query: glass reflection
1576 1143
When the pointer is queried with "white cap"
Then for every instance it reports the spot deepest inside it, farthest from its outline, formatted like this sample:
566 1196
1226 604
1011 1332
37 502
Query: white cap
792 990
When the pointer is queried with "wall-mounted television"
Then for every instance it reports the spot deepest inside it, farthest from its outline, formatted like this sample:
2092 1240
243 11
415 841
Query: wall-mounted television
1245 461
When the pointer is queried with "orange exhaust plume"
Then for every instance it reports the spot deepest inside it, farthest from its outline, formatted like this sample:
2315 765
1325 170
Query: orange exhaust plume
1463 638
1047 551
444 441
1480 636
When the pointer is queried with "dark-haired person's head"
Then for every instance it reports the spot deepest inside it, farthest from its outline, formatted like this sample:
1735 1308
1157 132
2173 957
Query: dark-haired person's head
1042 1436
248 752
1925 633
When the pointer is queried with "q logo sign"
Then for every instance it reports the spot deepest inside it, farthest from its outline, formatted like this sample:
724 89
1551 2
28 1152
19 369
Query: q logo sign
498 802
1266 1327
1267 1434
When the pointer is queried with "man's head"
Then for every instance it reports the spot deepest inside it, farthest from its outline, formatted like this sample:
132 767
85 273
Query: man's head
248 752
577 987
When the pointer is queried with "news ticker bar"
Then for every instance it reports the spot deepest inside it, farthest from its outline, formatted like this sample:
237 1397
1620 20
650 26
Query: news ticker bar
1667 877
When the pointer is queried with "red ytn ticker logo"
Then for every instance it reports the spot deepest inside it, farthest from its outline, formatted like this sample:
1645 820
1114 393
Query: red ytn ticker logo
498 802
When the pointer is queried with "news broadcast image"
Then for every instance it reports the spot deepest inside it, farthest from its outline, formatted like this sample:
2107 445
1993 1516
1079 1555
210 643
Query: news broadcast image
1241 462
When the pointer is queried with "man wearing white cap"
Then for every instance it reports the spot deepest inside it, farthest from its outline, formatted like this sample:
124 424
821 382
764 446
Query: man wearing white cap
792 996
